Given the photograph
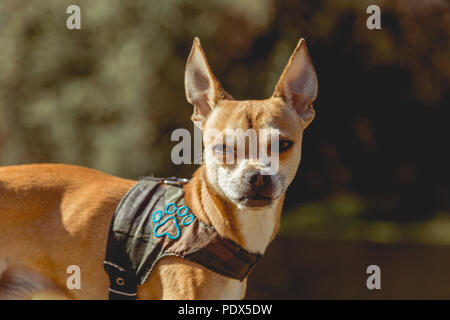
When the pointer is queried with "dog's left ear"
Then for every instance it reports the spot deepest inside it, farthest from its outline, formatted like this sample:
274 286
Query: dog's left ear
203 90
298 83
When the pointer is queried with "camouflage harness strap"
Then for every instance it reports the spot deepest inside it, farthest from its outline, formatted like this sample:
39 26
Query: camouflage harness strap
152 221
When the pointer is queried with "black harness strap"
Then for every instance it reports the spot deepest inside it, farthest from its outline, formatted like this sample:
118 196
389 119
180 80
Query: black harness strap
152 221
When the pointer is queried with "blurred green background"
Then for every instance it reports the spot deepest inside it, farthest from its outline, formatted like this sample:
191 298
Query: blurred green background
374 176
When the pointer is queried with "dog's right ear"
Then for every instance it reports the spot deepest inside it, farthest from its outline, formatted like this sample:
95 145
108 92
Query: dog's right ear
203 90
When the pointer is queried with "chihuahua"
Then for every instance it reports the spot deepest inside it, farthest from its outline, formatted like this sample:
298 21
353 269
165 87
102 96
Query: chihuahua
53 215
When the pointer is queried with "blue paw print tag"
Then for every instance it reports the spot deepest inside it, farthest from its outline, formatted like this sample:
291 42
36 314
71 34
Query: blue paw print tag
168 216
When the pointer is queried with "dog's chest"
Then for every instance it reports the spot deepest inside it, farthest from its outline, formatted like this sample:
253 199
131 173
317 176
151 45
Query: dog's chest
257 227
233 290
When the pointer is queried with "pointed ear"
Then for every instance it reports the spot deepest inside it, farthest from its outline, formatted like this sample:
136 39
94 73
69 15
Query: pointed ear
203 90
298 83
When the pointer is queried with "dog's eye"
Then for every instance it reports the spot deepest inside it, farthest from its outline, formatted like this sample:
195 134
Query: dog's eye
285 145
221 148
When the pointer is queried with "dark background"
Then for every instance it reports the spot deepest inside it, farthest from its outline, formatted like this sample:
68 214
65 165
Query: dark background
373 186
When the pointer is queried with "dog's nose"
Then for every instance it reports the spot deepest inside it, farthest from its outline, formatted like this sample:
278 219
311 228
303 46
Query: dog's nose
256 179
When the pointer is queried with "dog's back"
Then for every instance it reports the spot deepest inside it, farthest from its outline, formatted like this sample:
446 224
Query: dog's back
50 218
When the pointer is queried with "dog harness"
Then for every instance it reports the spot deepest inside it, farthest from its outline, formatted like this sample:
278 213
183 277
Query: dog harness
152 221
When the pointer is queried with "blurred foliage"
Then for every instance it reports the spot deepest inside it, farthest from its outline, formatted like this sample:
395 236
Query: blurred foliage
342 217
109 95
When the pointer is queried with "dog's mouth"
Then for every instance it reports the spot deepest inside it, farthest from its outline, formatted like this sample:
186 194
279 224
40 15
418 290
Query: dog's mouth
256 201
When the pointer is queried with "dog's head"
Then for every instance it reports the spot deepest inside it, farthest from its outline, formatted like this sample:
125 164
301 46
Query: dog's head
252 148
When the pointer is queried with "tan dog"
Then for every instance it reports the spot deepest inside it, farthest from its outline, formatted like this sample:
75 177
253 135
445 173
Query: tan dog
53 216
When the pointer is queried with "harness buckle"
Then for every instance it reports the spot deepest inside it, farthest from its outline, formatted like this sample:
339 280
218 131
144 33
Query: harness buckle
175 181
171 180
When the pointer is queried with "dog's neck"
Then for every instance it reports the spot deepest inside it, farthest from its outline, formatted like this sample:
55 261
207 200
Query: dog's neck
251 229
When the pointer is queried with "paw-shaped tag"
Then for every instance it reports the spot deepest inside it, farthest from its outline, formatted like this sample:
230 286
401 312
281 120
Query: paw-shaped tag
157 217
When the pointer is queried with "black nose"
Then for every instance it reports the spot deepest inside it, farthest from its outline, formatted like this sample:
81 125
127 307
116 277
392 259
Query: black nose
256 179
